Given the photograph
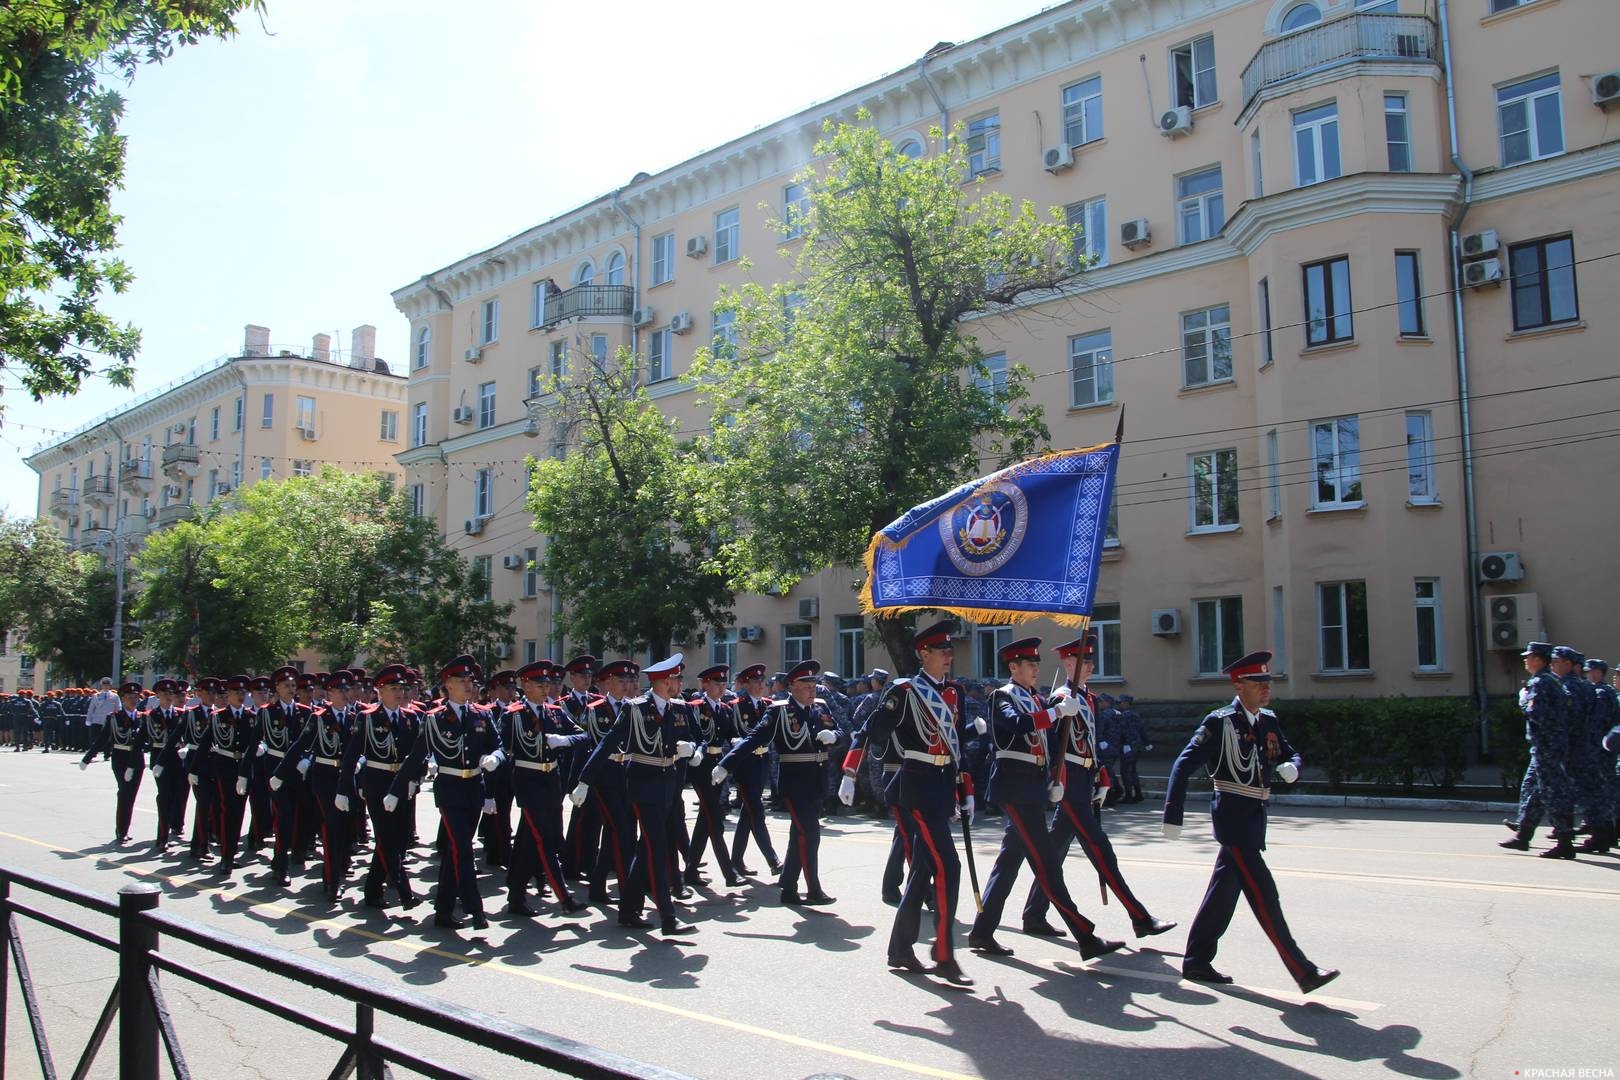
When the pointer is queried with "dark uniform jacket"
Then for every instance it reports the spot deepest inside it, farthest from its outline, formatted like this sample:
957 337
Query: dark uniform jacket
1241 758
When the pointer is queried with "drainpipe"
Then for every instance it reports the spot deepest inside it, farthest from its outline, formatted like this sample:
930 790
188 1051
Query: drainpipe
944 113
1464 410
241 449
635 268
118 567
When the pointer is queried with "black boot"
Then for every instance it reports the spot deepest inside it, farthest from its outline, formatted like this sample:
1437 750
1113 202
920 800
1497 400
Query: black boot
1563 849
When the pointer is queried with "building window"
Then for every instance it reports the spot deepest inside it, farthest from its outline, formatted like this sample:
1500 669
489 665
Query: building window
268 417
1206 346
795 210
532 384
1530 120
389 430
303 468
1213 491
1273 477
531 572
1192 66
418 499
489 323
483 492
658 355
1111 525
1082 112
599 350
419 418
1200 206
1420 486
984 144
306 413
723 646
1398 133
1342 623
484 575
1300 16
264 468
1264 293
614 274
1316 145
1089 220
486 405
424 337
723 333
1327 302
1219 633
1105 621
559 360
537 303
851 645
910 148
1430 641
213 425
1378 7
1279 635
1091 368
584 273
726 227
988 642
663 258
1336 451
1543 277
1255 164
236 478
1499 6
241 407
994 379
1409 294
796 643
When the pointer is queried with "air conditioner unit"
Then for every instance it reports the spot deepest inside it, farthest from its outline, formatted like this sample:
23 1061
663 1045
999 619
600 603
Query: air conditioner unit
306 433
473 526
1606 89
1134 233
1500 566
749 633
1167 622
697 247
1480 244
1176 121
474 354
502 651
1054 159
463 414
681 322
642 316
219 489
1513 620
810 607
180 428
514 562
1482 273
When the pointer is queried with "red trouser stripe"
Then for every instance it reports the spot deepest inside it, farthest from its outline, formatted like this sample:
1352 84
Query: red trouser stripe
652 874
1038 864
942 921
900 828
1094 850
1258 902
803 843
545 860
326 855
455 856
610 826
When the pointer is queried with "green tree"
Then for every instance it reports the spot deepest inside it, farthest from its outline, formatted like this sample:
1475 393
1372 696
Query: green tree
853 392
61 156
54 597
627 549
76 640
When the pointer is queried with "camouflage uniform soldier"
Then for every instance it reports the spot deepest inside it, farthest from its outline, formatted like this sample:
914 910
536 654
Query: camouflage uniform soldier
1605 715
1545 788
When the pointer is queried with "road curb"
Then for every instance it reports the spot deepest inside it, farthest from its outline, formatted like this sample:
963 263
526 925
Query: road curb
1381 802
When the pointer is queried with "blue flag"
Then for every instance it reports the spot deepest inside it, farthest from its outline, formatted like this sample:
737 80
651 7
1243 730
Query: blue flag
1023 543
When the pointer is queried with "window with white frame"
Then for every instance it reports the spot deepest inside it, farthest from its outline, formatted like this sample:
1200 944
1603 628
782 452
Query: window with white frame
1398 133
1316 145
531 650
1263 293
1430 640
538 292
1499 6
1212 491
486 405
1192 68
1336 455
727 226
1110 658
484 575
1327 302
1082 111
240 408
1341 614
483 493
489 323
302 467
418 495
1218 633
213 425
531 572
1409 295
988 641
236 478
584 273
796 643
723 333
424 338
1089 219
614 272
993 380
388 429
266 467
531 385
1378 7
910 148
663 258
419 424
1543 281
1420 485
723 646
1300 16
659 343
267 418
1091 368
1111 525
558 360
1200 206
1273 477
306 413
1206 346
984 144
851 645
1255 164
1530 119
795 210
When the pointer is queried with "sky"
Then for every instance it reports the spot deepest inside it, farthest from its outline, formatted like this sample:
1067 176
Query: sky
297 174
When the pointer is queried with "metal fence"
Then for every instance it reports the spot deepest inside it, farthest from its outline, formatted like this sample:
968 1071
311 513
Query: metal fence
134 929
1340 41
588 302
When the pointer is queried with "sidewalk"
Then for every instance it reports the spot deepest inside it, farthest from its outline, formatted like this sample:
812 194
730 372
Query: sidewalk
1478 779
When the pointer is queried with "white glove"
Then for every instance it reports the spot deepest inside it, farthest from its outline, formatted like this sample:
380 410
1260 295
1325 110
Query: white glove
577 796
341 802
1172 832
1102 746
433 769
1054 793
241 785
683 748
1287 772
556 742
1127 749
303 766
129 774
826 736
275 783
191 778
360 763
967 809
489 806
489 763
411 789
390 802
260 751
83 765
846 791
1068 705
157 771
697 755
738 741
718 776
979 725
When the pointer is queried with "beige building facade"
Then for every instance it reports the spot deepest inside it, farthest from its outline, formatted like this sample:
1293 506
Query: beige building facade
1345 444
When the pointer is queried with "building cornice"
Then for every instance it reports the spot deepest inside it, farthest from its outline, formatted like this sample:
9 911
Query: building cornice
427 454
1578 165
488 435
1363 193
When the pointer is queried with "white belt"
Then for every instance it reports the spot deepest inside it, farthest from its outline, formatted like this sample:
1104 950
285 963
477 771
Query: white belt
891 768
1083 762
122 746
932 759
332 761
800 759
232 754
460 774
191 748
385 766
1019 755
616 757
648 759
275 753
716 750
537 766
1232 787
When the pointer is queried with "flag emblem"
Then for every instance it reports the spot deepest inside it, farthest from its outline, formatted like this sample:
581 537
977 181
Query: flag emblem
984 531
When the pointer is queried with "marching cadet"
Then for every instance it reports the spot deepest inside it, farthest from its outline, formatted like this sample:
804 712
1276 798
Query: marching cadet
919 715
886 753
799 728
162 725
281 723
609 808
716 729
749 774
380 737
651 734
1019 783
538 736
261 824
1243 747
1079 782
230 734
123 738
495 830
1605 714
1546 786
580 677
191 739
317 758
464 743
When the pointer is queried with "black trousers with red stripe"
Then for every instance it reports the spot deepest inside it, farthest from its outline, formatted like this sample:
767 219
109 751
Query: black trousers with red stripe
937 869
284 820
1026 840
336 827
711 824
751 819
650 869
1076 818
458 874
535 854
894 870
1241 868
801 789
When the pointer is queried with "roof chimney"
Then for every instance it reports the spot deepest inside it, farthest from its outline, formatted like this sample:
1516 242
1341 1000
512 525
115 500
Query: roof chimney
362 346
256 340
323 348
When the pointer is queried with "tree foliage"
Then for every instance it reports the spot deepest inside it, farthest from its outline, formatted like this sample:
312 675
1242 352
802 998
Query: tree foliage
61 156
54 597
627 548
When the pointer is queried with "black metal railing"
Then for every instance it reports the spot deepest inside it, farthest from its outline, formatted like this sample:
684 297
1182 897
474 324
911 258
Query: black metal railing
588 302
1339 41
145 1028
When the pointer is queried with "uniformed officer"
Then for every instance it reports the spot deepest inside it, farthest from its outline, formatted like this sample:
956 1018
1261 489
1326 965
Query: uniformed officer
799 728
123 739
749 776
1020 720
193 747
230 739
1585 734
920 715
1546 785
261 812
716 717
1109 742
380 737
317 758
281 724
1133 742
604 828
652 732
462 739
495 830
1243 747
162 725
538 736
1605 714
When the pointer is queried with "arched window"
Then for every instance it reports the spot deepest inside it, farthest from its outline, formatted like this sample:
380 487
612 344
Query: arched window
423 337
584 273
1301 15
615 269
910 148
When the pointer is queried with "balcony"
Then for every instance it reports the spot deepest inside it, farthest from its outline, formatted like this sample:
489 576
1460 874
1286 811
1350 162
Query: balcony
174 512
136 476
1354 38
98 490
64 503
588 302
180 461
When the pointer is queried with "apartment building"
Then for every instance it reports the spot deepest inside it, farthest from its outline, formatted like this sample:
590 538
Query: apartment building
1271 191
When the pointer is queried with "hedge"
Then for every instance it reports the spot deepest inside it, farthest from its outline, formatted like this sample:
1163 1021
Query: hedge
1393 741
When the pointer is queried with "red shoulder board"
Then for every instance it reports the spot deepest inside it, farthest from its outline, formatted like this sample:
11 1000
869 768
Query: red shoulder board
367 710
516 706
592 703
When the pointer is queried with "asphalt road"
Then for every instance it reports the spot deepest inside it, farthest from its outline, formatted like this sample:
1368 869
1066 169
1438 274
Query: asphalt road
1458 960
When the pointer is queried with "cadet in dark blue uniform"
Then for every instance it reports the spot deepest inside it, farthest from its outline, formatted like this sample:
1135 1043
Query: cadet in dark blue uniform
652 732
584 836
799 728
749 776
162 724
495 830
123 739
1605 714
1020 784
318 759
538 736
380 737
193 747
716 717
281 725
1243 747
609 802
1546 786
